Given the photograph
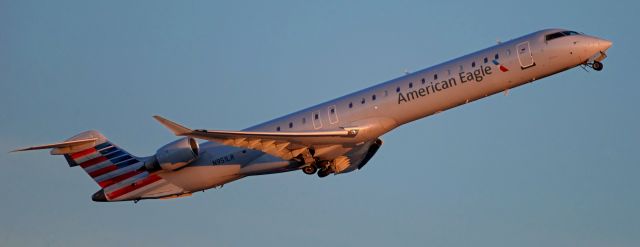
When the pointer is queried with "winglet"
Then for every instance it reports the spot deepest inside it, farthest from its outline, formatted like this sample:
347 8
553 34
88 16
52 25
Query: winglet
177 129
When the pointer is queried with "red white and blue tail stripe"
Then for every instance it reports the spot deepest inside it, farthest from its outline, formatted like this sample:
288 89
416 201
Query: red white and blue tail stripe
121 175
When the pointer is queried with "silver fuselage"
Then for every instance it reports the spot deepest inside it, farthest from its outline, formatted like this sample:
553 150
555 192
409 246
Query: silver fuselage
383 107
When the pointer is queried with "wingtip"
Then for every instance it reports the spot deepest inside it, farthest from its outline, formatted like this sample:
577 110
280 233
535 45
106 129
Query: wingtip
176 128
159 118
21 150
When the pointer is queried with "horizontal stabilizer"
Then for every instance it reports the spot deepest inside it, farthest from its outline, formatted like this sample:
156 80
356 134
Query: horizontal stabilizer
63 146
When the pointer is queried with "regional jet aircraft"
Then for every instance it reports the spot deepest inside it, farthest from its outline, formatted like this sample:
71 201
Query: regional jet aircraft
335 137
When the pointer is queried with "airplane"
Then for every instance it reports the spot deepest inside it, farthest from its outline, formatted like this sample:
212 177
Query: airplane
335 137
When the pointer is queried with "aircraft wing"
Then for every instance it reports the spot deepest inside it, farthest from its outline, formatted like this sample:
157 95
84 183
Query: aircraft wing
286 145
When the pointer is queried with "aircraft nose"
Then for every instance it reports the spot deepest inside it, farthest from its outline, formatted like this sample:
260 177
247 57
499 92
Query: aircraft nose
603 44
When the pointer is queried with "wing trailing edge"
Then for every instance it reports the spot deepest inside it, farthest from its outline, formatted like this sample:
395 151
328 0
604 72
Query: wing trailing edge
180 130
286 145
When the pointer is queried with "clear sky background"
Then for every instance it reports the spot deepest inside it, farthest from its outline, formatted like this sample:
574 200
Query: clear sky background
554 163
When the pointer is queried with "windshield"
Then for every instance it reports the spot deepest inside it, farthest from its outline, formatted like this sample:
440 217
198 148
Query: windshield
560 34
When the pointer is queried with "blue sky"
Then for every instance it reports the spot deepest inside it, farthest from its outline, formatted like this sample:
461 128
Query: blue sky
554 163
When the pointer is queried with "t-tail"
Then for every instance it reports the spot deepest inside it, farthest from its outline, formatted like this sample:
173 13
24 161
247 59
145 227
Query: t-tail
120 175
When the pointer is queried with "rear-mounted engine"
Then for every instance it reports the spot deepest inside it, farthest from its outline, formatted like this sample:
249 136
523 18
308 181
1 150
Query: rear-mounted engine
174 155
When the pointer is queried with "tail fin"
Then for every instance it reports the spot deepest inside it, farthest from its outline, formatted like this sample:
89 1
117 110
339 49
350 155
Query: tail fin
121 175
105 162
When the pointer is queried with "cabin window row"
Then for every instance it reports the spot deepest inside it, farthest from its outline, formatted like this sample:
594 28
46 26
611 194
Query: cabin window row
473 65
398 89
316 116
304 121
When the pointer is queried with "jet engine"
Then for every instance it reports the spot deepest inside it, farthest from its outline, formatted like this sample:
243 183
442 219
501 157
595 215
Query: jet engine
174 155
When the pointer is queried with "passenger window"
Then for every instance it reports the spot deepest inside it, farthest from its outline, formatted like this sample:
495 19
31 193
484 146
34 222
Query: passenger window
473 64
423 81
373 97
486 60
410 84
278 129
290 125
350 104
316 117
496 56
362 101
435 76
398 89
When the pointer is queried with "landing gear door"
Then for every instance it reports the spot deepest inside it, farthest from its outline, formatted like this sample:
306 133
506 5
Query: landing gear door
524 55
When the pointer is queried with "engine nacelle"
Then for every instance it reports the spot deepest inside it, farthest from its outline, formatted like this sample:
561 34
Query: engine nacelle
174 155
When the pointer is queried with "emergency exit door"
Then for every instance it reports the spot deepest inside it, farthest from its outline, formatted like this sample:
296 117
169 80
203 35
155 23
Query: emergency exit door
524 55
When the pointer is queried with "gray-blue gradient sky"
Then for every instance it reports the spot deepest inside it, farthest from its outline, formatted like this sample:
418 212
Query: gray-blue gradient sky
554 163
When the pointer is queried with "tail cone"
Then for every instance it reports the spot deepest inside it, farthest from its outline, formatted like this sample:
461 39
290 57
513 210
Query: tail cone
99 196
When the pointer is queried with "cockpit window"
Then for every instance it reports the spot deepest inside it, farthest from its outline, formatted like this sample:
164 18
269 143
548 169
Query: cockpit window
560 34
568 33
